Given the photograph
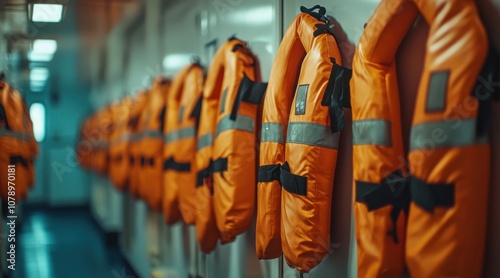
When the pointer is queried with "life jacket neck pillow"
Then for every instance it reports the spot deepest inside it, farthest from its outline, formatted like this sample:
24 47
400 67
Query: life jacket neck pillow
119 140
226 151
136 134
434 216
302 118
15 140
151 145
181 121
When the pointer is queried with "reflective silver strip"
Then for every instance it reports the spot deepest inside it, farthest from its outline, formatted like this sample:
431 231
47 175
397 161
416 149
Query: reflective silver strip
272 132
14 134
312 134
152 134
443 134
180 134
137 136
223 101
204 141
243 123
123 138
372 132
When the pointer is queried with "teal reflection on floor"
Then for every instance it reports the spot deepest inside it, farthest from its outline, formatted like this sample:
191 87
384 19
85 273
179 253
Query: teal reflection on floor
65 243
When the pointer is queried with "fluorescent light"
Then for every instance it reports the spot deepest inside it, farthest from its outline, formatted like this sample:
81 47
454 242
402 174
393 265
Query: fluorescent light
37 115
38 57
43 50
44 46
47 13
39 74
174 62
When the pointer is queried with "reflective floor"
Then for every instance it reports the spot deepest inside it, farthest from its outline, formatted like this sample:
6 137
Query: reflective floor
65 243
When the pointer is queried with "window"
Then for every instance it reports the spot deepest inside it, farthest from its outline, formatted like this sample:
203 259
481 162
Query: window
37 115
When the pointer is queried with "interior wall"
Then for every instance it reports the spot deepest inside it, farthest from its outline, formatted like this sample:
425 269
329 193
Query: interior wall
193 27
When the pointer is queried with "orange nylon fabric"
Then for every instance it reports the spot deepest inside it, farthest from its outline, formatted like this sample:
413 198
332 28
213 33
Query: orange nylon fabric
180 145
447 241
14 139
298 224
151 145
119 140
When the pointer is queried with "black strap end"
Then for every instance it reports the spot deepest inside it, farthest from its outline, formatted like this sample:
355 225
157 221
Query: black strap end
249 91
292 183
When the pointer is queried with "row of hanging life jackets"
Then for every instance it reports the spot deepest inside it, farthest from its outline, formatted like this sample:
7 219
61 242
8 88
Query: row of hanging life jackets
195 148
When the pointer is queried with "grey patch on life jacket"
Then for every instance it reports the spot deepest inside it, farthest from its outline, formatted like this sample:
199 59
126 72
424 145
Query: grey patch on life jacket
312 134
443 134
181 113
372 132
300 100
437 91
223 101
272 132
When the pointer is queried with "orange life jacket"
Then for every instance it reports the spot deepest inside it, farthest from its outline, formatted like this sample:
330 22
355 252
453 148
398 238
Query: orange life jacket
151 145
100 128
434 215
14 151
84 146
32 148
136 134
226 151
119 140
180 144
301 121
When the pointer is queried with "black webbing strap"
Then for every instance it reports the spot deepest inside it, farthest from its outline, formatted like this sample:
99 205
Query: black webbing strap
133 122
319 15
248 91
429 196
143 161
196 113
16 159
3 117
486 89
237 46
337 95
321 29
220 165
204 173
161 118
392 190
268 173
151 161
290 182
171 164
